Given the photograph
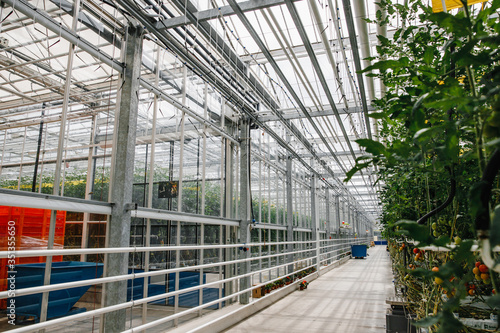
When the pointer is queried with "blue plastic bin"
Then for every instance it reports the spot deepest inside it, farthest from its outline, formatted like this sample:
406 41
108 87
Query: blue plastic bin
135 288
192 298
358 251
60 301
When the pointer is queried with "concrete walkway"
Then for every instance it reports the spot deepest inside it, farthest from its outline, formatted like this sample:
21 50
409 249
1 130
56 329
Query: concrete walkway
350 298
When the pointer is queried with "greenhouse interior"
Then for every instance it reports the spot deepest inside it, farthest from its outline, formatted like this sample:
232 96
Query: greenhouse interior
249 166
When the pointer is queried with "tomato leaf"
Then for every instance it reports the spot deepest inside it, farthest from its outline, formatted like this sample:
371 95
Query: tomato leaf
373 147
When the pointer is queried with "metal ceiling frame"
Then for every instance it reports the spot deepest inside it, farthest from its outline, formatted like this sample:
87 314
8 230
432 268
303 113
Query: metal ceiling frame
233 91
281 75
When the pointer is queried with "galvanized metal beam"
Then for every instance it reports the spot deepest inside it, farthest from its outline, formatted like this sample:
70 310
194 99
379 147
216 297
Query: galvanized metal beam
289 209
118 230
210 14
245 205
328 111
281 75
45 20
227 53
319 72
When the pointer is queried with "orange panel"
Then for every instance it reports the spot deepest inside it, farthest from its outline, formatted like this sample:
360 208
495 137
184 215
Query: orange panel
31 232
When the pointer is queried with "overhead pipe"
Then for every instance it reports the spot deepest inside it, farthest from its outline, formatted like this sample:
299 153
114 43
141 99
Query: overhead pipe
359 17
382 31
357 62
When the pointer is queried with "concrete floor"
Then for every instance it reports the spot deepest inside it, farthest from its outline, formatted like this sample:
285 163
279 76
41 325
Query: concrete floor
350 298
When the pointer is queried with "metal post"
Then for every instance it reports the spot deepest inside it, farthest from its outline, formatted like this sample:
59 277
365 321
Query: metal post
43 156
337 222
150 187
3 147
204 155
245 206
328 223
289 209
88 185
22 159
203 180
314 219
118 231
222 159
38 147
179 196
57 175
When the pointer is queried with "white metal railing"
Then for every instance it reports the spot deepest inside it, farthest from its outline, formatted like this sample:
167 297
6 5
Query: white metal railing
328 252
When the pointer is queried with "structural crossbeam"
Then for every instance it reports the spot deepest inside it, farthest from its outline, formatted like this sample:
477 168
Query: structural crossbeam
210 14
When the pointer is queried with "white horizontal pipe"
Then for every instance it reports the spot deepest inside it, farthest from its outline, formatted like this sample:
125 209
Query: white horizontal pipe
152 298
183 313
65 285
45 202
268 226
302 229
64 252
131 304
62 320
168 215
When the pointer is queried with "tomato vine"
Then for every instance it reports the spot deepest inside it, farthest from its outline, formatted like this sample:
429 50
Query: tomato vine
438 152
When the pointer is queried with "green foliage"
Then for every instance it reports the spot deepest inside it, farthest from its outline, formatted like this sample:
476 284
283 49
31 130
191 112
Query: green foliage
439 123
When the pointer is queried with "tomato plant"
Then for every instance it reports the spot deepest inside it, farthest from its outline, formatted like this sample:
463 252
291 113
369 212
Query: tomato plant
438 152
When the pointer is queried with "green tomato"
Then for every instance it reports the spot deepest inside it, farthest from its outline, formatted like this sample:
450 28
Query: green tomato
458 240
435 233
434 226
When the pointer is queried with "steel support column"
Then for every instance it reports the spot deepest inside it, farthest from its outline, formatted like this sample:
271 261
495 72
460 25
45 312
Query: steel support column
327 207
314 220
337 213
289 209
245 206
118 231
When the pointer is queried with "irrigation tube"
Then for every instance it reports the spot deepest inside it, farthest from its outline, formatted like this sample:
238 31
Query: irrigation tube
59 286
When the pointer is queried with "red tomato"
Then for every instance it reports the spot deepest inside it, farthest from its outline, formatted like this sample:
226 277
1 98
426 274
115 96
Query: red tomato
483 268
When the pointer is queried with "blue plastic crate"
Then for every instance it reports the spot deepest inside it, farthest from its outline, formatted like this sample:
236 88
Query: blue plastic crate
358 251
60 301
